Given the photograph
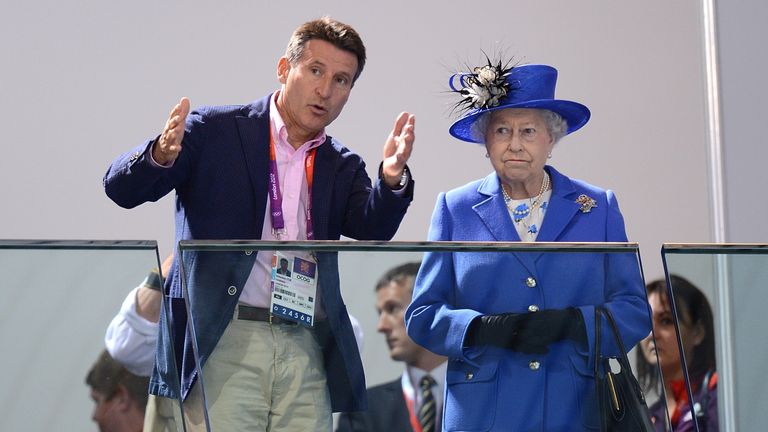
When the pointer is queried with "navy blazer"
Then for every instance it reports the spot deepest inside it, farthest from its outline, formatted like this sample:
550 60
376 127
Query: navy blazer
221 181
494 389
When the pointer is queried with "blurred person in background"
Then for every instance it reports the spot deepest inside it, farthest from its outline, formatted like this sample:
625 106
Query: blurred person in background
412 402
120 397
697 332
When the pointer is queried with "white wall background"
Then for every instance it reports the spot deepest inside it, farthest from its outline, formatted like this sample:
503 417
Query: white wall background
743 67
85 80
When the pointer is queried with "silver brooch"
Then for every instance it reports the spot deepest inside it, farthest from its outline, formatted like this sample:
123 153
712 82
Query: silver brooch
587 203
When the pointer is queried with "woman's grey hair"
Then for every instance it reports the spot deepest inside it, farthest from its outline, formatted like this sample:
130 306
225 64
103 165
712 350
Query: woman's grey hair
556 125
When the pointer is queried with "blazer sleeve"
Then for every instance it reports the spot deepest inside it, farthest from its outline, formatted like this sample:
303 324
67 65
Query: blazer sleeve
373 212
431 319
133 179
355 421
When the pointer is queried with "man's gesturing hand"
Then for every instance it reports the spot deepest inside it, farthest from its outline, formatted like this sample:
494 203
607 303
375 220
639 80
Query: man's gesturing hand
168 146
397 149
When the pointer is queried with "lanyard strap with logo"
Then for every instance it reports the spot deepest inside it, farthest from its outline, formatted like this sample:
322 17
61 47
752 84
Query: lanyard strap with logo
294 278
276 196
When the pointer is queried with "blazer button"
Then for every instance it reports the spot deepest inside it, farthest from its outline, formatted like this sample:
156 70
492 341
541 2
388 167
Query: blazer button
232 290
531 282
533 308
534 365
470 375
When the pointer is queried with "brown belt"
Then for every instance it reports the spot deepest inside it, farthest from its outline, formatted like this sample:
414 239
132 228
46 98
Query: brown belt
252 313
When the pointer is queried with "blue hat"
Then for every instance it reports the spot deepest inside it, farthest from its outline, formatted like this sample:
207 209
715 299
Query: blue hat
494 87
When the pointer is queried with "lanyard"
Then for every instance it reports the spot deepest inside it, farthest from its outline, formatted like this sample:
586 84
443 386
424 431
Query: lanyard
411 405
276 196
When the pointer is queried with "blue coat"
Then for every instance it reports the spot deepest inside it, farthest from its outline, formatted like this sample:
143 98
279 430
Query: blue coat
493 389
221 181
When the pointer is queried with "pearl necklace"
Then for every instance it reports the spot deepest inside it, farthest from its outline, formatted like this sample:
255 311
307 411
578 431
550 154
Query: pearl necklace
523 211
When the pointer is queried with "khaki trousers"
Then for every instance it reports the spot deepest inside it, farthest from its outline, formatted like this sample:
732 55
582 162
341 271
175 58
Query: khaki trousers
260 377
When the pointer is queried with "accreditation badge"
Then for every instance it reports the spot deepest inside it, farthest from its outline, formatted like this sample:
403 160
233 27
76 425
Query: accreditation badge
294 288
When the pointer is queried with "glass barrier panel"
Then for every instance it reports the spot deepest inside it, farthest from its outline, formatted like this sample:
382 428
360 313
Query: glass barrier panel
58 297
720 296
251 299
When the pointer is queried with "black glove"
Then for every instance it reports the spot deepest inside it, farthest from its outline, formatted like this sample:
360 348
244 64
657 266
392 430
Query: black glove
530 332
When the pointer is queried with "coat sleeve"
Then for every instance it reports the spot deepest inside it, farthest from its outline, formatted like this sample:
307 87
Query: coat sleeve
431 319
624 293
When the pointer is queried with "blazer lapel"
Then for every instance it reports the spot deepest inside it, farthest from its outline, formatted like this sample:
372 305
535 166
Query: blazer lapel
322 188
254 139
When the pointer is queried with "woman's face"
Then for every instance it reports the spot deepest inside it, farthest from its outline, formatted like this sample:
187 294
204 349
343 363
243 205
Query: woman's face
518 143
666 346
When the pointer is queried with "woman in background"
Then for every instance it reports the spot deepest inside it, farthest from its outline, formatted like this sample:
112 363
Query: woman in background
697 333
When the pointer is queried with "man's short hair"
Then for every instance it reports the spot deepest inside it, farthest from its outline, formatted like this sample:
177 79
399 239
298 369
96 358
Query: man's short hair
398 274
107 374
340 35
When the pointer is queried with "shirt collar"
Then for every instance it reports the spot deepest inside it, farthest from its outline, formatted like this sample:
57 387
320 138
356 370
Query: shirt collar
281 132
415 374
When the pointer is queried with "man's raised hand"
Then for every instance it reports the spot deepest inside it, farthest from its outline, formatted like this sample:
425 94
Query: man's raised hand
168 146
397 149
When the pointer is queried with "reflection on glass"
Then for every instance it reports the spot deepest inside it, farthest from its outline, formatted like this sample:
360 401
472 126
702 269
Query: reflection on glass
58 299
148 325
698 341
545 288
734 279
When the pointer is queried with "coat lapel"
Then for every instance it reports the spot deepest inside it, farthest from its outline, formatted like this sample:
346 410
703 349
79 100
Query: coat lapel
492 210
561 209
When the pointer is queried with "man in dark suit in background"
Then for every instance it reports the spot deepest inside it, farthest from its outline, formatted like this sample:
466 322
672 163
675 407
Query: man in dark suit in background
412 402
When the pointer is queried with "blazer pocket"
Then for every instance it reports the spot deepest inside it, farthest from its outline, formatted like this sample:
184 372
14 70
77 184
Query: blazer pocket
470 399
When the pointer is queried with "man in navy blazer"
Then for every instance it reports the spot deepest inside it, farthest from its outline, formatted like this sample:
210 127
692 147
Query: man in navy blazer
219 160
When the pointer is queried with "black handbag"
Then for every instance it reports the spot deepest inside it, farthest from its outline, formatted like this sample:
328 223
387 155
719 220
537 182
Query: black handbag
620 399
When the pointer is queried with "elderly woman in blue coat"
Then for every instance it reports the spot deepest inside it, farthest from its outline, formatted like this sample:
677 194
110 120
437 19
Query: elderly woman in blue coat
518 328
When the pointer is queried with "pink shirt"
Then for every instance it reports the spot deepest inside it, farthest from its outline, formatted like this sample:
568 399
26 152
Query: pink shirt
293 186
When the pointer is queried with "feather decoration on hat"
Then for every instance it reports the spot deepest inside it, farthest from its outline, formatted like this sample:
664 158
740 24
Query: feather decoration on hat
484 87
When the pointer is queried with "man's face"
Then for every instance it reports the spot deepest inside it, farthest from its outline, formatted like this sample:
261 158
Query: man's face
316 88
391 302
105 412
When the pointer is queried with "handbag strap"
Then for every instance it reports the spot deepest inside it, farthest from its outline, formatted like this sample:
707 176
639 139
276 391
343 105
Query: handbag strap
623 359
601 311
598 317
